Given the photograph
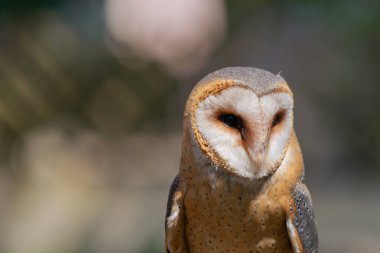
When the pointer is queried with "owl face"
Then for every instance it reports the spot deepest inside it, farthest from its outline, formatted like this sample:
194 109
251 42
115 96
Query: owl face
241 130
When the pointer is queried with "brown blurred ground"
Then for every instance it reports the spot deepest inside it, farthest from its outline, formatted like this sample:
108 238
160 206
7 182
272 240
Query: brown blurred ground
90 128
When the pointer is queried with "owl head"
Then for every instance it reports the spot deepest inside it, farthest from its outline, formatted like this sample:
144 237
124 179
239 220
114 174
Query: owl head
241 120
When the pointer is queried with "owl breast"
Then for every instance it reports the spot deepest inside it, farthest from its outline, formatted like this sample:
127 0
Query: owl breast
228 217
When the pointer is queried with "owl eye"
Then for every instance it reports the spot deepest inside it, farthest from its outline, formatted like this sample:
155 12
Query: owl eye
278 118
231 120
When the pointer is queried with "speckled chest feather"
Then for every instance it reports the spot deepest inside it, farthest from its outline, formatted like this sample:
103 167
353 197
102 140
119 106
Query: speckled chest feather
231 219
229 214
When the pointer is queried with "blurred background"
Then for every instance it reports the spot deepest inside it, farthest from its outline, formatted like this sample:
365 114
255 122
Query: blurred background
91 100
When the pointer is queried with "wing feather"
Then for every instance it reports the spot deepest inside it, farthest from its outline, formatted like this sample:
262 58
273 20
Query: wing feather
173 189
175 237
301 221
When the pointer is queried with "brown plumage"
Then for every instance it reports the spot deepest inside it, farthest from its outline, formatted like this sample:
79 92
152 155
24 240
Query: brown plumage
240 184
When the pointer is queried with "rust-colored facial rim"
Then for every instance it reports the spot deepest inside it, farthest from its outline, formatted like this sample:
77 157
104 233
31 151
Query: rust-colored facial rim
214 88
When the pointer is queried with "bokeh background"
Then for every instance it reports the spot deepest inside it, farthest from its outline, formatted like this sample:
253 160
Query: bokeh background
91 100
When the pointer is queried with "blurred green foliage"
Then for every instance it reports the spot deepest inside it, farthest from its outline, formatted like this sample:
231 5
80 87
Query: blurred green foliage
26 5
50 68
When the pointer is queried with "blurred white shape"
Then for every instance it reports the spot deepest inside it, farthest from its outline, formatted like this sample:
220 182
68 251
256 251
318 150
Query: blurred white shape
179 34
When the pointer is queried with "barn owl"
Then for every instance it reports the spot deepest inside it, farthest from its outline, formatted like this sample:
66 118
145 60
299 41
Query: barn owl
240 186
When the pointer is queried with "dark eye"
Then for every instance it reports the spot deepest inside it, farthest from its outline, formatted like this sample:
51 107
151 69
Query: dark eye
278 118
231 120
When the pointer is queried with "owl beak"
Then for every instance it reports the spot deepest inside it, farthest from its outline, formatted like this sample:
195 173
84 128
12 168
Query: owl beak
258 159
258 151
